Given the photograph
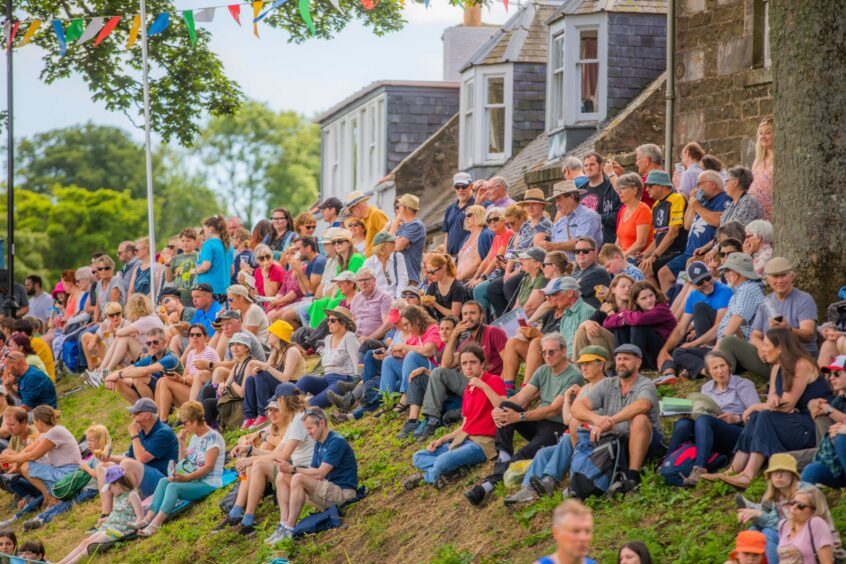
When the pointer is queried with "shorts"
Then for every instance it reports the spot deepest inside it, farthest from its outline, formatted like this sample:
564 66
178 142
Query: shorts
678 263
149 481
50 474
328 494
661 262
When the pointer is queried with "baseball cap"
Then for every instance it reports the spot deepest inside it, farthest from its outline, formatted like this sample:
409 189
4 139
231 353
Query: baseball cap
581 181
203 287
535 253
143 405
563 284
698 272
239 338
169 363
345 276
629 349
113 474
383 237
839 363
591 353
284 390
229 314
749 542
239 290
333 203
170 291
462 179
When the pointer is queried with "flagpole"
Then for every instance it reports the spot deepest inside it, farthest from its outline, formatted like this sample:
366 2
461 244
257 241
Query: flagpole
9 305
151 222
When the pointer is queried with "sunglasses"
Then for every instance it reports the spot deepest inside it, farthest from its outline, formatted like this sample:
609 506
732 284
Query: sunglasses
310 226
703 281
263 258
103 268
331 320
461 187
433 272
197 335
799 505
316 412
550 352
114 314
583 251
493 219
153 342
339 242
410 295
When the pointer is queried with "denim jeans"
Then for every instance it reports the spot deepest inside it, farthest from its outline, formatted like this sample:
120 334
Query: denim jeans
258 390
772 543
708 433
319 387
169 493
395 371
442 461
818 473
480 294
551 461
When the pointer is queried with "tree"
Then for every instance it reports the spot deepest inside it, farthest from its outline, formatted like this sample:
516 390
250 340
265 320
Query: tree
259 157
809 60
182 197
186 81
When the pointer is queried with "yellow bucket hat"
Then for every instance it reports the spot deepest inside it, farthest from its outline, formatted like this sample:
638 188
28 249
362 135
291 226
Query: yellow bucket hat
281 329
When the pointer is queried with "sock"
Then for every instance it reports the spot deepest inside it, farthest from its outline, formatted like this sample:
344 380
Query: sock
236 512
633 475
510 389
504 456
487 486
248 520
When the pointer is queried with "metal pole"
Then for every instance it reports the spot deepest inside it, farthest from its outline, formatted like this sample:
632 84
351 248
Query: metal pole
671 90
151 222
9 305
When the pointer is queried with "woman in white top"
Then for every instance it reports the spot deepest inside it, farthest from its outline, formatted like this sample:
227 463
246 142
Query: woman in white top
94 345
285 410
130 340
339 358
174 389
391 274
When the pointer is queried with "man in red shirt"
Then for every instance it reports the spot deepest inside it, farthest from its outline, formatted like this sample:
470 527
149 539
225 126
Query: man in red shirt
471 444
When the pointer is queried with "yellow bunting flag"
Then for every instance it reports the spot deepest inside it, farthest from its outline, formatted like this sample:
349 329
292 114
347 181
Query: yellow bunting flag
256 11
30 31
133 31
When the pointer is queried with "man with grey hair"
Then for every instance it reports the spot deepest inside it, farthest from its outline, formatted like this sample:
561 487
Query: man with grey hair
648 157
542 425
571 167
498 192
370 307
706 205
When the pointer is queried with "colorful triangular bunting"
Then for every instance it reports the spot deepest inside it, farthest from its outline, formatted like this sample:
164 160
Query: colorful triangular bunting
188 16
107 29
33 27
60 36
92 30
161 23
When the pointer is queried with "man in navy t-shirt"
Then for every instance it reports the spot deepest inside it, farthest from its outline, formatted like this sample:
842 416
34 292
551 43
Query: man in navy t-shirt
331 480
32 385
411 235
453 224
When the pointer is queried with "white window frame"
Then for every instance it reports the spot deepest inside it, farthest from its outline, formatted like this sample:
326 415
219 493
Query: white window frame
473 145
768 61
555 116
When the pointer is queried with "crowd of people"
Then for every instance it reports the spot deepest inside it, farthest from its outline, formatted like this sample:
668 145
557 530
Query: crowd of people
553 317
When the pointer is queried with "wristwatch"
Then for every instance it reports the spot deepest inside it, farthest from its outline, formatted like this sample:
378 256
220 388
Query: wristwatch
522 416
133 437
293 470
120 374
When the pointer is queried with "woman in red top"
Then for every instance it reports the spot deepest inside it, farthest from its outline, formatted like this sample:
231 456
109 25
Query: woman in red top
634 223
646 322
471 444
269 275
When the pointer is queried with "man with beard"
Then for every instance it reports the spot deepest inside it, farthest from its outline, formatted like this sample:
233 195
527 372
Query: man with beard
40 301
627 406
427 391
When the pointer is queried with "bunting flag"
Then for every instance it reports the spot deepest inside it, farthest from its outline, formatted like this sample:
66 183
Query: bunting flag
426 3
33 27
75 30
133 31
60 36
206 15
235 10
337 5
188 16
107 29
306 15
11 35
92 30
505 2
256 11
158 26
276 4
370 4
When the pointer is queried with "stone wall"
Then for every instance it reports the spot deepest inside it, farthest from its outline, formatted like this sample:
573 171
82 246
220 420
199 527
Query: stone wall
413 115
723 89
529 114
637 54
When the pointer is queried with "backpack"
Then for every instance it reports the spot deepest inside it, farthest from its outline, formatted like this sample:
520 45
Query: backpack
596 466
318 522
679 464
71 357
70 485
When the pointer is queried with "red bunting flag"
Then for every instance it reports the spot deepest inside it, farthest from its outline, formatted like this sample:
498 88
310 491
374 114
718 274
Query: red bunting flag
12 35
107 29
235 10
368 4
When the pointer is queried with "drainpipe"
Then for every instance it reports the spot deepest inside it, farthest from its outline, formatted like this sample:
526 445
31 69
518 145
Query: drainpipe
671 94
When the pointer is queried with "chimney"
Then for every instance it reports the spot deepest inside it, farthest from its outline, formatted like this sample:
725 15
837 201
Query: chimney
472 14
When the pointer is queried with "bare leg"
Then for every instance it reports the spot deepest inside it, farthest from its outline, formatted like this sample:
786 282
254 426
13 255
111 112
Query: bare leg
666 279
85 342
739 462
301 487
105 497
290 315
175 344
753 465
514 353
200 378
283 493
828 350
640 435
261 475
533 359
81 550
49 500
123 388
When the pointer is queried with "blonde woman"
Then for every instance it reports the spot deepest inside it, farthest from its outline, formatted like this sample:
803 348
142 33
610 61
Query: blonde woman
388 266
359 234
762 168
139 282
94 345
476 245
131 339
286 409
806 534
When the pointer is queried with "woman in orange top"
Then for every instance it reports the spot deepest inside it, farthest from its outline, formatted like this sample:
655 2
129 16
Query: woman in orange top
634 224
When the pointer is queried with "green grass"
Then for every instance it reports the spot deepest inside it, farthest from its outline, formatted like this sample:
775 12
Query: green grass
424 525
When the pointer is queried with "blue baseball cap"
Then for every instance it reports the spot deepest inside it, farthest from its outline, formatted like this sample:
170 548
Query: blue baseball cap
284 390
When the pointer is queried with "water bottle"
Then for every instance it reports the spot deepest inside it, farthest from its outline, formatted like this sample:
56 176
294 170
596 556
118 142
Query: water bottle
171 468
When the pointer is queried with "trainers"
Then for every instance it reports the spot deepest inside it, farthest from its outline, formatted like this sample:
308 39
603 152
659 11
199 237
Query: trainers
260 420
247 424
665 379
347 387
452 416
343 402
225 524
477 495
413 482
245 530
5 524
525 495
428 429
407 429
338 418
545 486
34 523
695 475
281 533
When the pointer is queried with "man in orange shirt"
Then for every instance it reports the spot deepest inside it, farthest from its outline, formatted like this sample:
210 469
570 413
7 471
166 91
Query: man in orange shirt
374 219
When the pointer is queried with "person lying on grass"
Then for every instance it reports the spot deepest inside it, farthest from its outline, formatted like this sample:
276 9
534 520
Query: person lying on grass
126 512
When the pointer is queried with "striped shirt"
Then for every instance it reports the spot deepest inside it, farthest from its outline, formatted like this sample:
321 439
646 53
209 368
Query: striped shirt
207 353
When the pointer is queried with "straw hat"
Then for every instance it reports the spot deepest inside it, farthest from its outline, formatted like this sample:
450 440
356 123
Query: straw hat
532 196
344 315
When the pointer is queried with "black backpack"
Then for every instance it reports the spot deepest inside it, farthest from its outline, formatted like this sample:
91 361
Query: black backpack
596 466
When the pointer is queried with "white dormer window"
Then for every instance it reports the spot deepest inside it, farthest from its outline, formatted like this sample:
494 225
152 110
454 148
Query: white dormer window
486 116
587 72
556 107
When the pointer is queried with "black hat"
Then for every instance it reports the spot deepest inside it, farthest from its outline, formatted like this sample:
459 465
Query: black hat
203 287
170 291
334 203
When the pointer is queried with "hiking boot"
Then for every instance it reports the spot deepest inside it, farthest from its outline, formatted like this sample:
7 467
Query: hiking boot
695 475
628 482
407 429
245 530
452 416
477 496
413 482
428 429
545 486
247 424
338 418
343 402
281 533
260 420
347 387
741 502
445 479
34 523
525 495
225 524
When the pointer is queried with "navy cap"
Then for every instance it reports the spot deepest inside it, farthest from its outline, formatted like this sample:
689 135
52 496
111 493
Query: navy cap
286 389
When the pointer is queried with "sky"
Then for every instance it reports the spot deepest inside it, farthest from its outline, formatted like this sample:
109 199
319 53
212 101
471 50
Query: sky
307 78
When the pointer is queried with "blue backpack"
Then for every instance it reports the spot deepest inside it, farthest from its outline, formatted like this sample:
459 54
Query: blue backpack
596 466
679 464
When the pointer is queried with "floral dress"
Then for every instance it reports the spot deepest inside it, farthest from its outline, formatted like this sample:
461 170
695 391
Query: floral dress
118 521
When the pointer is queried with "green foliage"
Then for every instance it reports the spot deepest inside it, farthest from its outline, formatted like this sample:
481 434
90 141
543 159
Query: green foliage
447 554
259 158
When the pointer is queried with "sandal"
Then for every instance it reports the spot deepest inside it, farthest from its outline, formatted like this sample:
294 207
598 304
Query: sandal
400 408
149 530
739 481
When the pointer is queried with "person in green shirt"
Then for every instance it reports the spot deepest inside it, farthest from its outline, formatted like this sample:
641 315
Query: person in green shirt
530 291
348 259
178 268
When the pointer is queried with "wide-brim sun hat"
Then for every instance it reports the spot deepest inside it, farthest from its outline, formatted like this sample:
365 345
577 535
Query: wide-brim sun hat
343 314
782 461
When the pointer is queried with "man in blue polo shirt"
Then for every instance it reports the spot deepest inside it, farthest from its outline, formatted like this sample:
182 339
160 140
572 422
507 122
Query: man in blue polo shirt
453 224
331 480
139 380
32 385
208 308
153 447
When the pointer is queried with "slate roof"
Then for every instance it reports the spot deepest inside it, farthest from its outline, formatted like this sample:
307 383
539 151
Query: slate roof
577 7
522 39
373 86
